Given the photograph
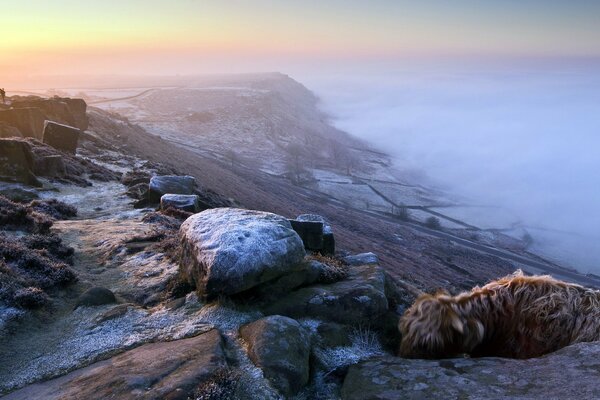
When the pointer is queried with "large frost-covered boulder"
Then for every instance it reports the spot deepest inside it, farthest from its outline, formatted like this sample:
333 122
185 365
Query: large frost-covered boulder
230 250
170 184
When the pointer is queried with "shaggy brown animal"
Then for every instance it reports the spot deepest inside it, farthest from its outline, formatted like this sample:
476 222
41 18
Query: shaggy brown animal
517 316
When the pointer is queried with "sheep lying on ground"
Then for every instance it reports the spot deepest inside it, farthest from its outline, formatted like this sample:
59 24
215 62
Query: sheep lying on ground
517 316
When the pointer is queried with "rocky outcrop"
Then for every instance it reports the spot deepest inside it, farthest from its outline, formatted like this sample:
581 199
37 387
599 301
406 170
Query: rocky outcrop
360 298
189 203
29 121
63 110
61 137
170 184
164 370
281 348
17 162
555 376
229 250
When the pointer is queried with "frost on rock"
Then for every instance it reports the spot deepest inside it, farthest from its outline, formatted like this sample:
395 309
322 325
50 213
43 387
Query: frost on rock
91 340
228 250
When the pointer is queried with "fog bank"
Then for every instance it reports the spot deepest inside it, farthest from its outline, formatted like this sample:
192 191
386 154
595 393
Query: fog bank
526 138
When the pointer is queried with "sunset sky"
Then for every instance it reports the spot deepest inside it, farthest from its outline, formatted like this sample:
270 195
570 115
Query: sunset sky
63 37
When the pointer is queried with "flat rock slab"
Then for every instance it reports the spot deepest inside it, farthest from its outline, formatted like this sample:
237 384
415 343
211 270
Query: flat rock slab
359 298
570 373
164 370
228 250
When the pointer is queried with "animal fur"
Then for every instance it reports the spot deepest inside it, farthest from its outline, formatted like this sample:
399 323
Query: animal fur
517 316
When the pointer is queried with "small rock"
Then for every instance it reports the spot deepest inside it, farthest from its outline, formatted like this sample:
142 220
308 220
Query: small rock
280 346
173 184
362 259
96 296
183 202
61 137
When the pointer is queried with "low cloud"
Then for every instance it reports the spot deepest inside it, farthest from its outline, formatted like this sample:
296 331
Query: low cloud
524 138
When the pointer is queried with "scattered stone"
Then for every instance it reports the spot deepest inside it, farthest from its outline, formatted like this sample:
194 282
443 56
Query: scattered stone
17 162
358 299
183 202
362 259
228 250
554 376
96 296
61 137
170 184
29 120
154 371
281 348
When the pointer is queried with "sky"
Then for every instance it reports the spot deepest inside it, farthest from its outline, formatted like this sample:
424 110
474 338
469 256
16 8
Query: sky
66 37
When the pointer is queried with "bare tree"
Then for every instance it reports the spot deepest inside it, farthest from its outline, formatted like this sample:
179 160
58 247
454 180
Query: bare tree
294 162
343 158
